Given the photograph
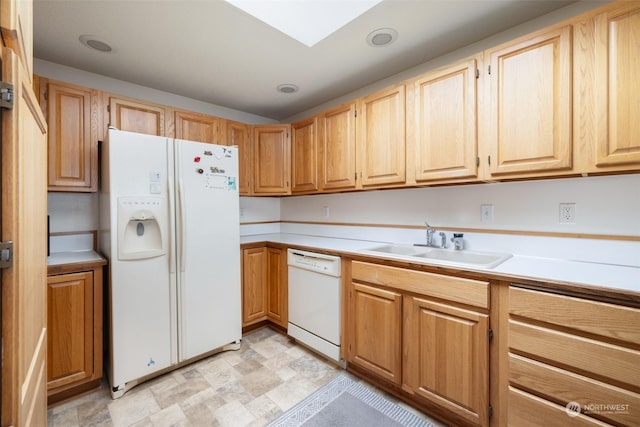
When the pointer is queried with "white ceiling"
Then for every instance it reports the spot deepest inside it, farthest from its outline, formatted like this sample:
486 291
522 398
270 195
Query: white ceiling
211 51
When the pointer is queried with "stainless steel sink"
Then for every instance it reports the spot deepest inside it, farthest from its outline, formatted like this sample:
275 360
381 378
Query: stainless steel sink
463 258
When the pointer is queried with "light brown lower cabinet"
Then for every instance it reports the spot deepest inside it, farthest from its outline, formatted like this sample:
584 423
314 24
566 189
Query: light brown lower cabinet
74 342
277 287
254 288
424 333
447 357
572 361
264 286
375 331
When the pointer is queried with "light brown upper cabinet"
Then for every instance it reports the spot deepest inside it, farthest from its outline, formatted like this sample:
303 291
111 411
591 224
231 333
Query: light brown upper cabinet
337 148
381 137
199 127
135 116
443 123
617 86
529 123
304 155
73 135
239 134
271 159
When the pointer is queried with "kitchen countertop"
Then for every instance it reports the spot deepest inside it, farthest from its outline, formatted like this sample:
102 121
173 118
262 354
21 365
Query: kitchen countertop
584 274
85 258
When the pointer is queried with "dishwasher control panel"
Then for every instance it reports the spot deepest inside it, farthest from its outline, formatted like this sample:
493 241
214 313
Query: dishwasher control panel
320 263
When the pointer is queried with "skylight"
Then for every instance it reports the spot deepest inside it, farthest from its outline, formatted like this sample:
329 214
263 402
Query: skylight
307 21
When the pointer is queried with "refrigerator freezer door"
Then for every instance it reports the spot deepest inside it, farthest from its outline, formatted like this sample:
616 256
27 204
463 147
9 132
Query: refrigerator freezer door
143 315
209 247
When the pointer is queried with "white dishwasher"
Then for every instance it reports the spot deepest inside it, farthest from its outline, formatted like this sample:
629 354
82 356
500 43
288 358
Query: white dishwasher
315 301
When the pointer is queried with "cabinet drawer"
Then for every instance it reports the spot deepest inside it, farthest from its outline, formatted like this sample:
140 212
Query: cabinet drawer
528 410
464 291
605 361
607 320
564 386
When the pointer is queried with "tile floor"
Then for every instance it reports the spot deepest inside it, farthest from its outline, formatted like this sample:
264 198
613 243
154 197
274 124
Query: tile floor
248 387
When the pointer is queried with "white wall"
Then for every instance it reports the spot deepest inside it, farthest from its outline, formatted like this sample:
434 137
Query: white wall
608 205
107 84
72 212
259 209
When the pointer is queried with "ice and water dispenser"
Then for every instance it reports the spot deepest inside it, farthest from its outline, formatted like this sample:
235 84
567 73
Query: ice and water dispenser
142 223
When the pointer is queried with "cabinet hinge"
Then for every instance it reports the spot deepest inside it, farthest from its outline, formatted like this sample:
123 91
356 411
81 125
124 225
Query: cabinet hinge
46 95
6 254
355 176
490 410
490 334
355 113
6 95
489 160
477 73
477 161
108 108
489 69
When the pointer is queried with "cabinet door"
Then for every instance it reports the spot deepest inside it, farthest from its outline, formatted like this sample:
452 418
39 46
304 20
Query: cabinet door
304 156
337 160
277 286
23 165
238 134
271 150
445 132
16 27
70 322
374 341
73 137
447 357
617 86
134 116
381 137
254 288
530 123
198 127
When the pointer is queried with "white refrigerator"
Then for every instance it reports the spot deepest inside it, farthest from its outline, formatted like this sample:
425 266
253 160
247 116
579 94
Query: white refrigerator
169 226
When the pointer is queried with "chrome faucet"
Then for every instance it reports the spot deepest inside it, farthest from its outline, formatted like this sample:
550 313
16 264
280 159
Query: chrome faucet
430 232
443 240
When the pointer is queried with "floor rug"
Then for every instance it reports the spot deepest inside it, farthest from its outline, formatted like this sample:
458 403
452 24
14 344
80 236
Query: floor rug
346 402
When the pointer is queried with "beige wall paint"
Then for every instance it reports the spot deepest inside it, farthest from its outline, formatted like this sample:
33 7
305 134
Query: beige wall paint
107 84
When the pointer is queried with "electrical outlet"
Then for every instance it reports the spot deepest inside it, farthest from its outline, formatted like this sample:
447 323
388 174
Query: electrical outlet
325 211
568 213
486 213
241 212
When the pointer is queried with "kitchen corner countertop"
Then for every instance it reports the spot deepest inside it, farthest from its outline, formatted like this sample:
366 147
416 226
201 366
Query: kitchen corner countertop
88 257
590 275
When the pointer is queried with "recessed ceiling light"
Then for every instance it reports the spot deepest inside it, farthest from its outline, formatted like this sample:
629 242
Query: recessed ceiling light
287 88
382 37
95 43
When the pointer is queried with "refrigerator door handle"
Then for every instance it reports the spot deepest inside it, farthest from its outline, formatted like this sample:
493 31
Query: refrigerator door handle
181 229
171 202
